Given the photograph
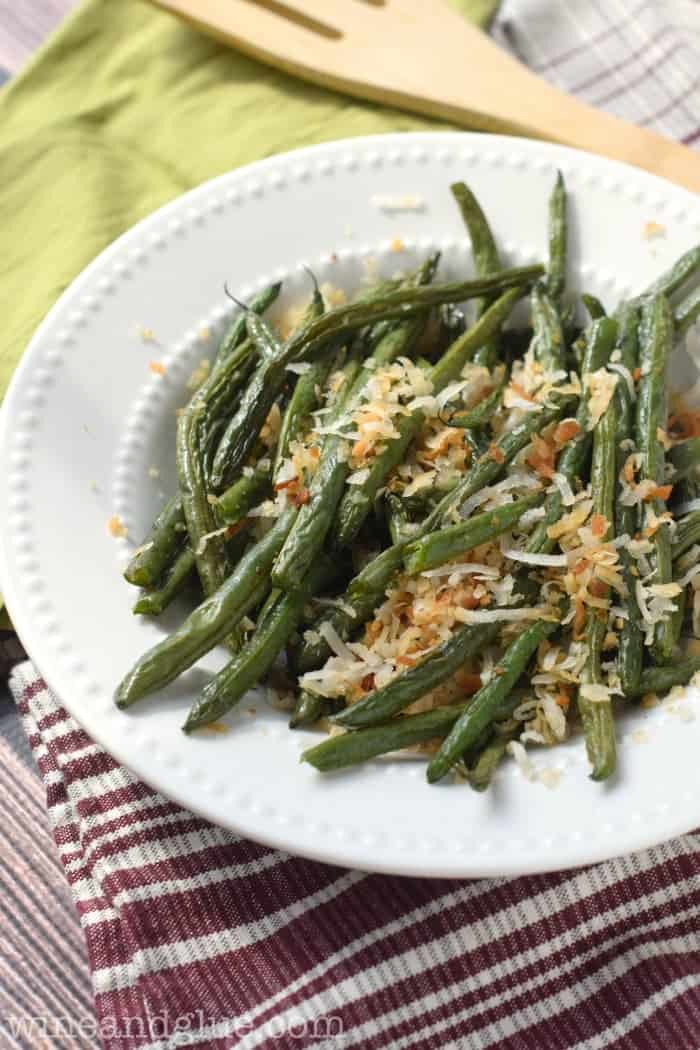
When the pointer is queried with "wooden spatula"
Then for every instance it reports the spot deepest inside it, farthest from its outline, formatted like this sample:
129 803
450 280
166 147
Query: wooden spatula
422 56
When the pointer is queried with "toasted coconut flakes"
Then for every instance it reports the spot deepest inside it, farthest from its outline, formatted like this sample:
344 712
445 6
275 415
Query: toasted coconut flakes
665 590
421 481
401 202
562 484
332 295
597 694
549 777
503 615
688 576
359 477
531 516
461 569
532 736
201 546
571 522
555 716
627 376
335 642
558 561
601 386
518 752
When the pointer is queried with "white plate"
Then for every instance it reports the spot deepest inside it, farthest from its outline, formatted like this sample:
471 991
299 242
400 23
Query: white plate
84 421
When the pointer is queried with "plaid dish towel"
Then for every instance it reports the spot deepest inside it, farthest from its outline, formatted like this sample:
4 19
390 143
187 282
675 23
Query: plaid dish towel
196 937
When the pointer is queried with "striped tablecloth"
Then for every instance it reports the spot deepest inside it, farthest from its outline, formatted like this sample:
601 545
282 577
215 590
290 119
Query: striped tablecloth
196 937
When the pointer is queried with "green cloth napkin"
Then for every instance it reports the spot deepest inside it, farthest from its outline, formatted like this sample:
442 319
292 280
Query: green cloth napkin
123 109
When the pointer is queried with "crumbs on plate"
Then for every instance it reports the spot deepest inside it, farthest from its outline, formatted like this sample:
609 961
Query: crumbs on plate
146 335
399 202
652 230
116 527
216 727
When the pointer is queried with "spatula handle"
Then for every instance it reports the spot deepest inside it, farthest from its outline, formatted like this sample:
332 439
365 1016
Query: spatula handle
515 100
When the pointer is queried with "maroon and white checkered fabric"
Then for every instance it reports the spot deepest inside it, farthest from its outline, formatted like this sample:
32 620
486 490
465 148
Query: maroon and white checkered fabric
196 937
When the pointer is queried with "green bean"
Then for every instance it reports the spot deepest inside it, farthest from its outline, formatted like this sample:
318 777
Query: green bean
157 551
453 541
267 380
688 490
211 400
307 535
595 308
660 680
488 704
233 504
358 501
631 641
305 399
687 312
397 517
558 235
484 250
349 749
548 338
492 463
210 622
597 716
166 560
177 576
236 331
308 709
677 617
673 279
687 534
209 550
656 340
486 257
316 517
685 459
367 589
403 303
276 622
425 499
430 672
218 408
482 412
479 773
259 395
572 460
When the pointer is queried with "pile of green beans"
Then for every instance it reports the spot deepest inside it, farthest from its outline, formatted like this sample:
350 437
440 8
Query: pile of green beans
295 567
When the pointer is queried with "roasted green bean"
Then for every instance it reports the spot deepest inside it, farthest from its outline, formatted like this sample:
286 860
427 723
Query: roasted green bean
488 704
210 622
655 341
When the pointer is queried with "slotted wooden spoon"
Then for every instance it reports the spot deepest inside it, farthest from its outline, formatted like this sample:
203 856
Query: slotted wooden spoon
422 56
